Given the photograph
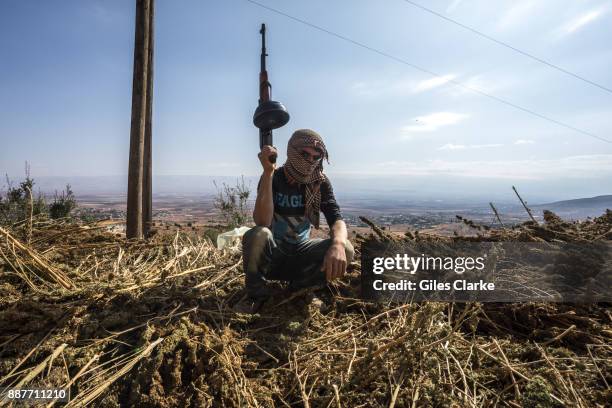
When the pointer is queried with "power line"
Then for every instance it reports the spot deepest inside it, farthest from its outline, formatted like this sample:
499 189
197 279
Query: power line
434 74
526 54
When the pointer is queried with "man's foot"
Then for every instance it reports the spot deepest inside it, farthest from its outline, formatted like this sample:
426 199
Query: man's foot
249 305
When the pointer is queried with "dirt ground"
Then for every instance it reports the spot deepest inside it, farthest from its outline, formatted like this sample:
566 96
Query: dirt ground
121 323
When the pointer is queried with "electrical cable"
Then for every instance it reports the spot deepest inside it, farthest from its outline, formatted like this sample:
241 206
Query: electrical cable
434 74
526 54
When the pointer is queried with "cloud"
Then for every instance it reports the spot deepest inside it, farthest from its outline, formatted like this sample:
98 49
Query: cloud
523 142
450 146
581 21
516 15
408 86
479 83
402 86
434 121
453 6
432 83
597 165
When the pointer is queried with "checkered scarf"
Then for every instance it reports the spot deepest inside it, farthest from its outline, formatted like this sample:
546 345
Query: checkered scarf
304 172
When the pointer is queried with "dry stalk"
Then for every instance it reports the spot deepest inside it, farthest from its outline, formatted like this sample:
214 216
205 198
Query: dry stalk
517 392
76 377
603 377
301 384
337 396
50 271
30 214
86 397
560 336
523 376
36 370
23 360
337 356
396 391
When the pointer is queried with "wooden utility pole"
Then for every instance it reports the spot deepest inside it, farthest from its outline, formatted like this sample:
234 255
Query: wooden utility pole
525 205
497 215
147 189
137 192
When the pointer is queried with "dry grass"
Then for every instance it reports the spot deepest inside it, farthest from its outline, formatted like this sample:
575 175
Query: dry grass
122 323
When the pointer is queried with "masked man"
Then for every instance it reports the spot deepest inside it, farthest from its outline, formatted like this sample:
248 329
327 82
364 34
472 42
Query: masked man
290 200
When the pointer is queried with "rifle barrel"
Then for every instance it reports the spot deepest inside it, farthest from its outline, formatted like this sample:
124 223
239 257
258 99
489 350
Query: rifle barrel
263 47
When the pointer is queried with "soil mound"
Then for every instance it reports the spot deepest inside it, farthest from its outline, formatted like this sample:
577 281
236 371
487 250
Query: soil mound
120 323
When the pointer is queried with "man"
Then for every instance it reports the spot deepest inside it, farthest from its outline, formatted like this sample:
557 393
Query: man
289 200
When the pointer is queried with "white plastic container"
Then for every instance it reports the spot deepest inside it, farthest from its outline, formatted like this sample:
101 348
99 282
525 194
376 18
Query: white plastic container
231 239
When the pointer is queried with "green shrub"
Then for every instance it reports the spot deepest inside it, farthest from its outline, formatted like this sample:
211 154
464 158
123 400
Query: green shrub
62 204
231 202
19 202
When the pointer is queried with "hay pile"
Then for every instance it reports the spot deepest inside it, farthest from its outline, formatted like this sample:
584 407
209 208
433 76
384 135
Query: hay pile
151 324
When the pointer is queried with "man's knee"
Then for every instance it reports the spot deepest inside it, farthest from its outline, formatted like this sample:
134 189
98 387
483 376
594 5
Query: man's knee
256 235
254 242
349 251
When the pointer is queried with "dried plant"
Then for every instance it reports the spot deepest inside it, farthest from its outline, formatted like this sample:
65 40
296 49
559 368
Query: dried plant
123 323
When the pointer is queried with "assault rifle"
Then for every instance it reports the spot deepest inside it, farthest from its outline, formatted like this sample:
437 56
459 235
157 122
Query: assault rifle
269 114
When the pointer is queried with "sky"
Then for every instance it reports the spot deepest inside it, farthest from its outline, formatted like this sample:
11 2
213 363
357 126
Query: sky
66 77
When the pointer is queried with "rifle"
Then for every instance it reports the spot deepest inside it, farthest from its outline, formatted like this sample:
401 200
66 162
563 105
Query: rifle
269 114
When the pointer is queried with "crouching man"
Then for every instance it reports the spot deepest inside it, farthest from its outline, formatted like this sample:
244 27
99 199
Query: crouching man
290 200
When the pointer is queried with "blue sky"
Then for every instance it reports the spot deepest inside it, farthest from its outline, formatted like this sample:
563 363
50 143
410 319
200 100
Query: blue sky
66 72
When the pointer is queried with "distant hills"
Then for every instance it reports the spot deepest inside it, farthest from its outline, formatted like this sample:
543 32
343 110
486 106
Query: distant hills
379 193
578 208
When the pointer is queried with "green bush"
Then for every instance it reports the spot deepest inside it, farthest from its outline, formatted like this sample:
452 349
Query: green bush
231 202
19 202
62 204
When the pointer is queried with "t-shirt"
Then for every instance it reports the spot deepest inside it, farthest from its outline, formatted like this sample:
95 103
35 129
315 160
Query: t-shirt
289 223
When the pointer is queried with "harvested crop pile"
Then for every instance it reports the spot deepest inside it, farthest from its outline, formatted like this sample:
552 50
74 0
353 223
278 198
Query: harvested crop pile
152 324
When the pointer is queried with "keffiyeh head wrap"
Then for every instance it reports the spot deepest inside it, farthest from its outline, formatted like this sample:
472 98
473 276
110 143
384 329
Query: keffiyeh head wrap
304 172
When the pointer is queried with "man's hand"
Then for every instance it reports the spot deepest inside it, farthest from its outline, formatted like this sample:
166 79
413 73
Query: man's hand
264 158
334 263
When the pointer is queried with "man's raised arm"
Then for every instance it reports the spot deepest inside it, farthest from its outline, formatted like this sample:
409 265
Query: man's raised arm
264 204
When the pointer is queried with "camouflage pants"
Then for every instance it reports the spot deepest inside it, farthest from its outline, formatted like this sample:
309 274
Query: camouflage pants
300 264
